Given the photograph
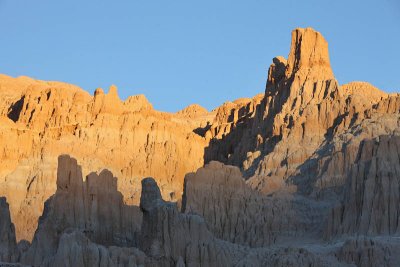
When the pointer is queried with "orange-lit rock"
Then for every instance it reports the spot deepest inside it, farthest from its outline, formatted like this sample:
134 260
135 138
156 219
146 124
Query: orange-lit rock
311 159
45 119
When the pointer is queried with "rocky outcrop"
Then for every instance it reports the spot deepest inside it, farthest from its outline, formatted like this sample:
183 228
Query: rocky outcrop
76 250
236 213
310 158
309 56
41 120
171 238
8 243
370 252
371 201
278 144
93 206
281 140
193 111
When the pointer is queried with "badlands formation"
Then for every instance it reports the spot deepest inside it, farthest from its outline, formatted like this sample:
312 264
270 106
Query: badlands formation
305 174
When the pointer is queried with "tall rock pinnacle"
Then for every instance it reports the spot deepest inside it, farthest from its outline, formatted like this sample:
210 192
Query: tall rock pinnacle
308 63
309 55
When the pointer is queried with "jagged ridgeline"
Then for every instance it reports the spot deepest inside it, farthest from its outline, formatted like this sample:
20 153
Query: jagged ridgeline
305 174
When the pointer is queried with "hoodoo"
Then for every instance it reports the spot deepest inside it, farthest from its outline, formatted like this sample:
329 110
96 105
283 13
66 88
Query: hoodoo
303 174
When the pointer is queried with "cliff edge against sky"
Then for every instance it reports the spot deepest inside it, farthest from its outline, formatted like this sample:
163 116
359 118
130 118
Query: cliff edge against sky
305 173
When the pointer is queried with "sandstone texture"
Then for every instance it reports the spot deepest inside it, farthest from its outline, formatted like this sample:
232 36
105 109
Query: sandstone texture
304 174
42 120
280 140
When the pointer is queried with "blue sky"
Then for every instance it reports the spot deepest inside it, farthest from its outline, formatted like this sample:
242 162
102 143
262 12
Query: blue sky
179 52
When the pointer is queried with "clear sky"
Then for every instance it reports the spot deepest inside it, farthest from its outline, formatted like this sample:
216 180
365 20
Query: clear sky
179 52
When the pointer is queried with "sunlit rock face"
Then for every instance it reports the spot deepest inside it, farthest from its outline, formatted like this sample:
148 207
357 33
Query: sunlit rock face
41 120
304 174
281 140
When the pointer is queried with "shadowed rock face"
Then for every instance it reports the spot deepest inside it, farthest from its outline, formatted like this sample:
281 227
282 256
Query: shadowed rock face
75 249
8 243
368 252
371 201
171 238
311 159
66 235
280 142
41 120
236 213
94 207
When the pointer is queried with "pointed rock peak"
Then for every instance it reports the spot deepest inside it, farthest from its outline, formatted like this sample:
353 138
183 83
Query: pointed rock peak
110 103
137 103
98 91
276 71
279 60
309 56
113 91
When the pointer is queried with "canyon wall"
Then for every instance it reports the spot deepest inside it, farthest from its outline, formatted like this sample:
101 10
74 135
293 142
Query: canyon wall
41 120
303 174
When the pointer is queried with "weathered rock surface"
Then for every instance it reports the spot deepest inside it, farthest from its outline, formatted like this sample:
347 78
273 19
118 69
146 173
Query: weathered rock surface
41 120
93 206
8 243
285 142
371 201
76 250
234 212
370 252
311 159
171 238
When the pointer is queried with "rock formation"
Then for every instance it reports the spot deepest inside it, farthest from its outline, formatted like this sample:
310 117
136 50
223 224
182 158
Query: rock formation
8 243
234 212
41 120
66 235
94 207
171 238
307 173
370 252
75 249
303 108
371 200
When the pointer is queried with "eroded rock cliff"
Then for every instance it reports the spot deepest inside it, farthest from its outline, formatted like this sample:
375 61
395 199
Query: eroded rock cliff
371 201
279 143
311 160
41 120
239 214
167 237
93 206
